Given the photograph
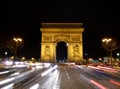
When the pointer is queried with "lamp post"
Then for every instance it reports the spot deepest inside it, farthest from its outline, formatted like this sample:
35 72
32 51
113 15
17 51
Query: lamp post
107 41
6 54
118 56
17 41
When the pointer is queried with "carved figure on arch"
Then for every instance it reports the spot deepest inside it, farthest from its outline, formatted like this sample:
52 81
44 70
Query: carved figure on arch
76 52
47 50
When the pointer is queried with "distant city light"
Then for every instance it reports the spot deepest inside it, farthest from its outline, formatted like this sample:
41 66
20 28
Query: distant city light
118 54
12 57
5 53
33 58
23 58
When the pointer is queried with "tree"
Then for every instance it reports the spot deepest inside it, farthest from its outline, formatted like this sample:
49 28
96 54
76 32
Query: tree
14 44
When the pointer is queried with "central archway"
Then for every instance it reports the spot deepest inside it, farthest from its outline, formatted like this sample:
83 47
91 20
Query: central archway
61 52
70 33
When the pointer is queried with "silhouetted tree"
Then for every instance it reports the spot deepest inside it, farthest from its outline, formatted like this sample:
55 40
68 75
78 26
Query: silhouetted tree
14 46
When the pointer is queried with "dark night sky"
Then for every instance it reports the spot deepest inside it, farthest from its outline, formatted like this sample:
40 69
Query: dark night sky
23 18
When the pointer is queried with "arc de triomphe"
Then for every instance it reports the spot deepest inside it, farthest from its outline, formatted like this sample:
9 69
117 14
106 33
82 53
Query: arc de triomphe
70 33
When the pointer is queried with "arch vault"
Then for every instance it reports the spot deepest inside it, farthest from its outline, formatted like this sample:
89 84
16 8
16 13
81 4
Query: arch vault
70 33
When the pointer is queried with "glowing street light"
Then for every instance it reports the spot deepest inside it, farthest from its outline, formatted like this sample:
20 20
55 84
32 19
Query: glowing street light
6 54
107 45
107 40
17 41
118 54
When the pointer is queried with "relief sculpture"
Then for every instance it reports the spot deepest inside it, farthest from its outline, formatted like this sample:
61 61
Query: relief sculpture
47 52
76 52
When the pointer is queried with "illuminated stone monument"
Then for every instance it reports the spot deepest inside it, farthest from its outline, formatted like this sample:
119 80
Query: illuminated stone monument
70 33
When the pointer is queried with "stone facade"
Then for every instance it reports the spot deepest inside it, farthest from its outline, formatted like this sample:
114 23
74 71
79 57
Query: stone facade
70 33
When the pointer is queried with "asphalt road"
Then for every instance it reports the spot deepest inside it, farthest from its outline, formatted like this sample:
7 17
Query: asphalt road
70 77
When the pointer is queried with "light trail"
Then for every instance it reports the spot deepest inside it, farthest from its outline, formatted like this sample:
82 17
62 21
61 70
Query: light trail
36 86
6 81
115 82
10 86
48 71
97 84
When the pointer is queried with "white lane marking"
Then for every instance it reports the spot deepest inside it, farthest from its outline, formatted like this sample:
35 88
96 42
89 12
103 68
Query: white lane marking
56 83
68 77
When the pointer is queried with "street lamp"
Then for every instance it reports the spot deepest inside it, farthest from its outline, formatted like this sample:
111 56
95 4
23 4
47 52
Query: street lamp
6 54
118 55
17 41
107 45
106 40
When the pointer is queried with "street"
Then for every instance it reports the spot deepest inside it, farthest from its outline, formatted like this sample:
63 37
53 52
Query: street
65 76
